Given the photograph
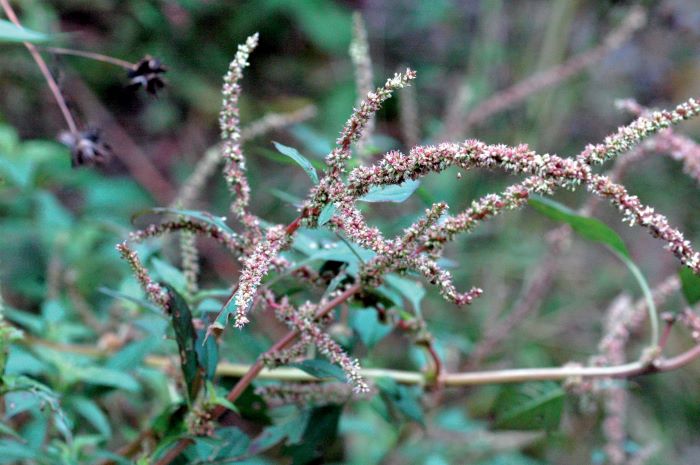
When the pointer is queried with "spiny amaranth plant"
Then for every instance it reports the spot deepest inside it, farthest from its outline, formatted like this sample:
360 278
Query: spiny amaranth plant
331 204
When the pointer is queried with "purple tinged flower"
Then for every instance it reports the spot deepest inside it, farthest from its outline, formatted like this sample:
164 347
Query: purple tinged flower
302 320
232 152
255 267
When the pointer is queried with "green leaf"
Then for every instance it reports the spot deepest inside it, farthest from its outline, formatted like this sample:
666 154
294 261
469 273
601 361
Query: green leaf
226 444
320 369
89 410
53 311
411 290
169 274
326 214
18 171
590 228
299 158
8 431
393 193
291 430
101 376
11 33
367 325
690 284
597 231
229 307
140 302
287 197
32 322
132 355
15 451
207 353
320 433
530 406
19 401
314 141
185 336
405 399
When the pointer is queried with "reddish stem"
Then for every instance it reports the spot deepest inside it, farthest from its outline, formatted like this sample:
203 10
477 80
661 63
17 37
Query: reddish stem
438 368
44 70
255 370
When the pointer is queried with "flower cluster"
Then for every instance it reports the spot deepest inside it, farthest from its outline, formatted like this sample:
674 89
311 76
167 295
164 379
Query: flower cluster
354 127
420 246
692 321
637 213
154 290
234 171
255 267
628 136
302 320
317 394
682 149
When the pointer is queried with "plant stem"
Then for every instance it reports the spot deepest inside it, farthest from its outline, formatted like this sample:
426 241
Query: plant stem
255 369
287 339
518 375
91 55
44 70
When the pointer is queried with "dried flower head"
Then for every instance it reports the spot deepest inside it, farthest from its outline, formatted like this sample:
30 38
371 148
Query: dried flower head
86 147
147 73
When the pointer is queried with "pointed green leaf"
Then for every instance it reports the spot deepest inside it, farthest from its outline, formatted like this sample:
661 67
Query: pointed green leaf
597 231
89 410
120 295
224 445
291 430
590 228
690 284
320 434
367 325
405 399
219 323
131 355
299 158
392 193
11 33
102 376
411 290
530 406
185 336
169 274
207 353
326 214
320 369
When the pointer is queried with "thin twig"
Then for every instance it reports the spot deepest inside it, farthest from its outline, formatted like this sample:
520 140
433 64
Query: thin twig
44 70
91 55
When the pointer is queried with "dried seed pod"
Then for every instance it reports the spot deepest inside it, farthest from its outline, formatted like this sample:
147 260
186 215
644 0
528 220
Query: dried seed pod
147 74
86 147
